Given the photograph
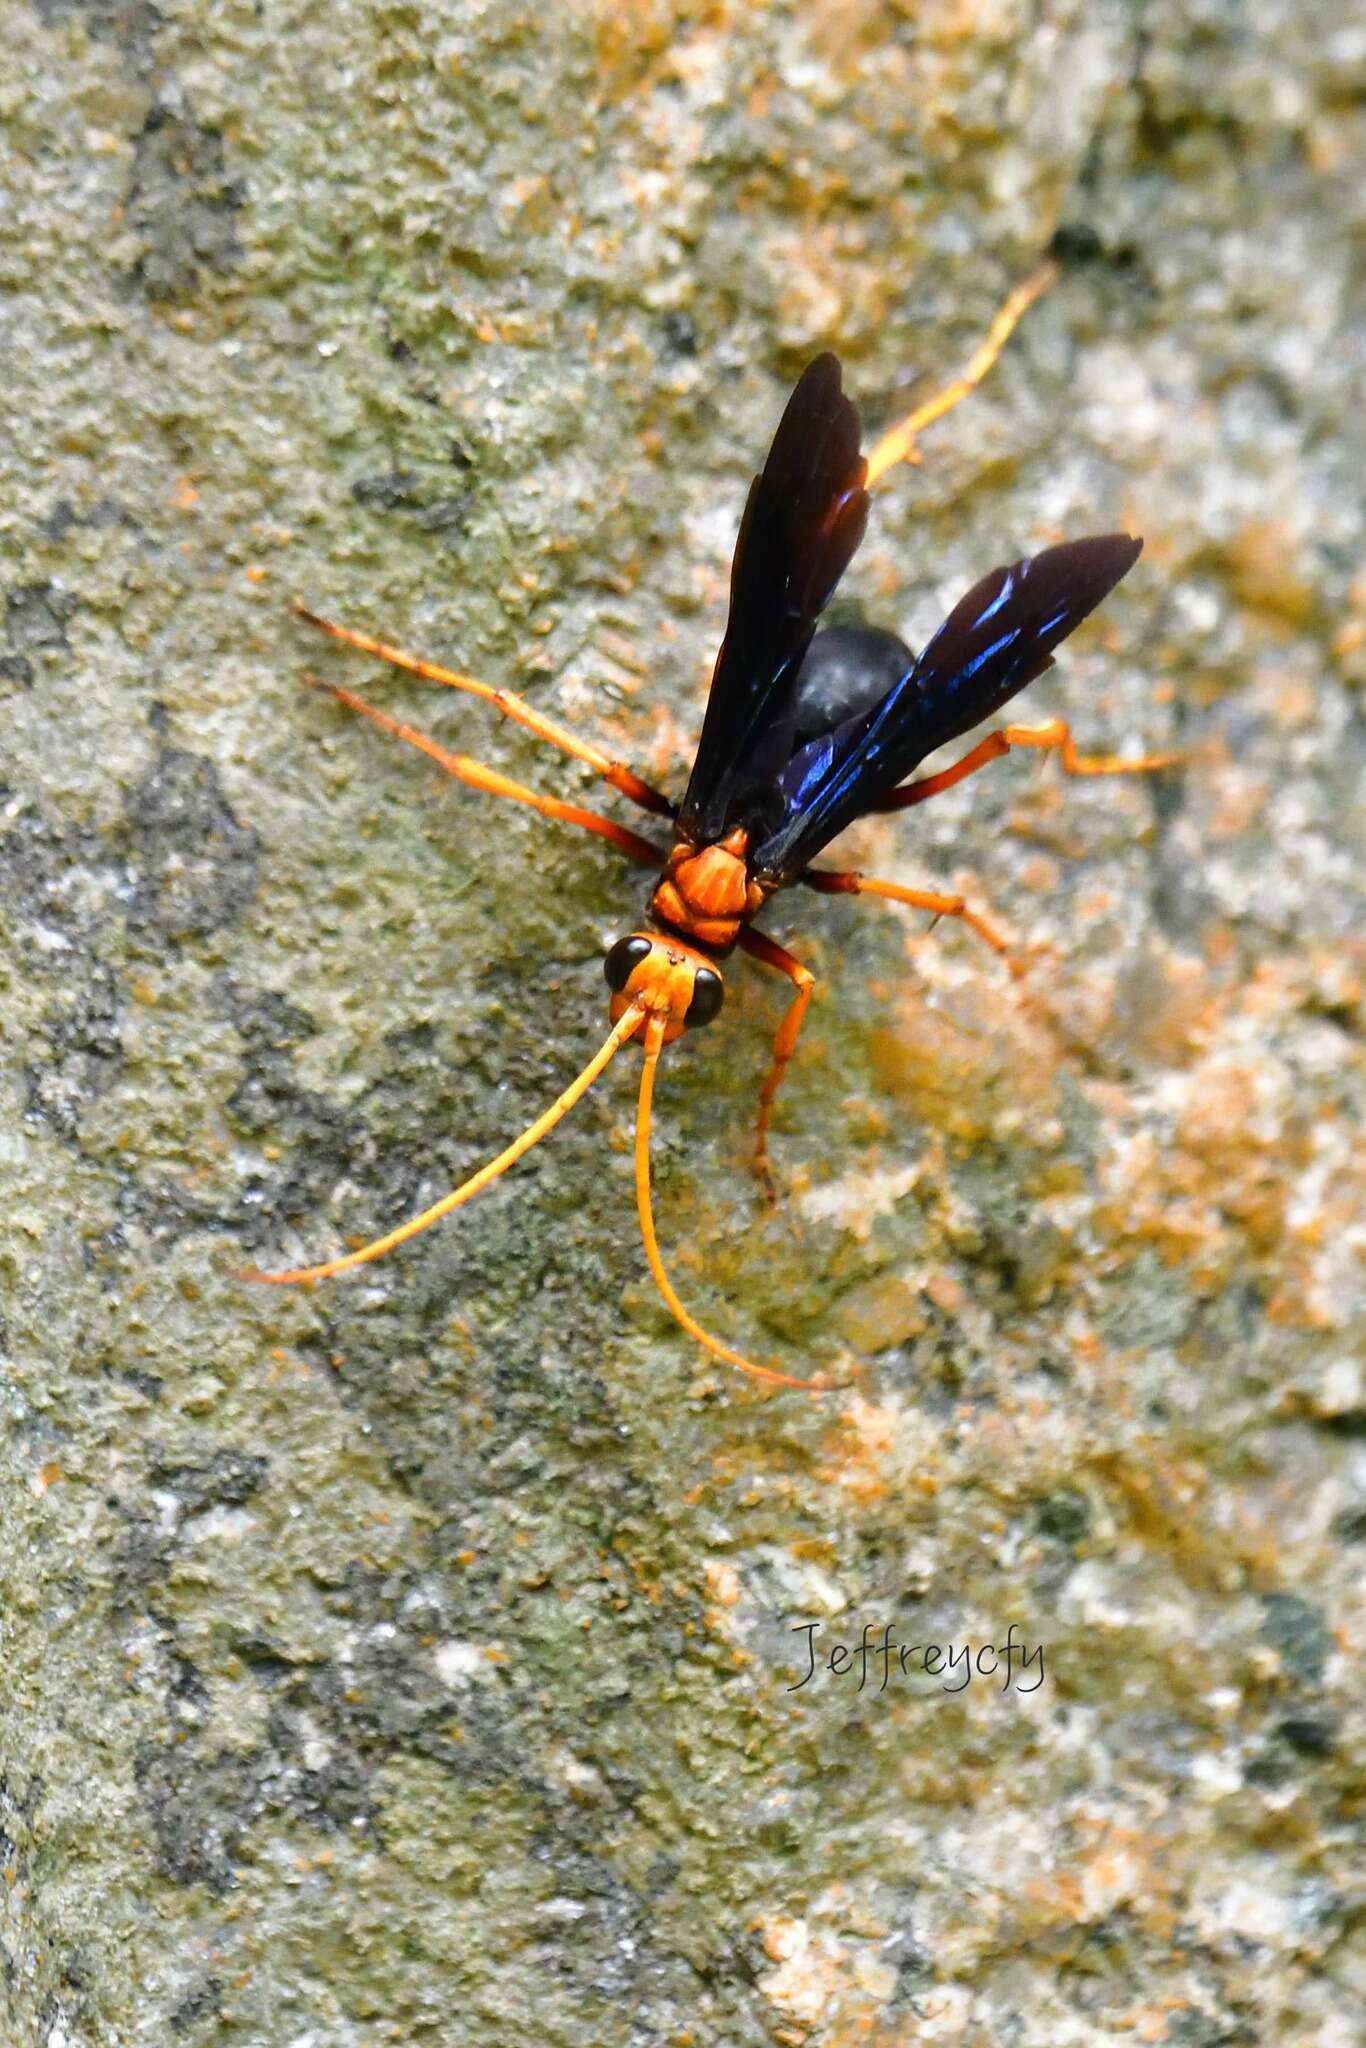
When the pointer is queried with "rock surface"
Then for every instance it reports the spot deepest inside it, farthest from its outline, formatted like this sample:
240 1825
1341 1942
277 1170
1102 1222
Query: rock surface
413 1660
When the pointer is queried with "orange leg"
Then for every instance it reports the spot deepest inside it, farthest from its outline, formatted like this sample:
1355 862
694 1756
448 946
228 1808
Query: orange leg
511 706
899 443
833 884
465 769
760 947
1053 735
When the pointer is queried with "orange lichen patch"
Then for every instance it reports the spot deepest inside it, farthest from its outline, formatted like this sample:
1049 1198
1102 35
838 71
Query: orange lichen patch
1170 1008
527 204
807 1971
1238 1147
943 1779
842 31
639 48
723 1582
1113 1877
1295 703
1040 874
624 653
843 1984
1095 905
1152 2022
946 22
1164 1498
879 1448
1264 557
1248 1179
959 1071
865 1438
882 1313
807 280
1221 1187
1240 798
946 1293
1349 642
1046 1901
1162 1492
740 1463
1117 1867
1133 1867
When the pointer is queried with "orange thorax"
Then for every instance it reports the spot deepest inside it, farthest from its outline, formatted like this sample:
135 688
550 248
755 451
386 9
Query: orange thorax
706 891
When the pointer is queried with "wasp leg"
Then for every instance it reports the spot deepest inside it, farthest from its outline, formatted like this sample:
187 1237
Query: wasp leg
831 883
1054 735
465 769
512 706
760 947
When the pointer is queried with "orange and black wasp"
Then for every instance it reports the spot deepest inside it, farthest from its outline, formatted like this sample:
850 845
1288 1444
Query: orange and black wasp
804 732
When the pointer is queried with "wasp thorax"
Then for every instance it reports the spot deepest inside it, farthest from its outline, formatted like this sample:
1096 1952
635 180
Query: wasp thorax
706 891
668 978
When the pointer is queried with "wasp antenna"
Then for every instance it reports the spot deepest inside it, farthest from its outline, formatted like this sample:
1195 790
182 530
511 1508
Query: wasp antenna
626 1028
654 1039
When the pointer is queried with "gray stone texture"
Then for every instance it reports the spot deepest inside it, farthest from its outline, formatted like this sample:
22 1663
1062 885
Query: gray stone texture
408 1660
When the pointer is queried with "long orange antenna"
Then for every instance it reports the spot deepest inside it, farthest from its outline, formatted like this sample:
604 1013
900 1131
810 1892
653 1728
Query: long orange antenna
532 1135
898 444
654 1039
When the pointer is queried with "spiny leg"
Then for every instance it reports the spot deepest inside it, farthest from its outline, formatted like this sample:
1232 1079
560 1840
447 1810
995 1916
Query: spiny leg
831 883
465 769
627 1027
512 706
898 444
1056 735
760 947
654 1039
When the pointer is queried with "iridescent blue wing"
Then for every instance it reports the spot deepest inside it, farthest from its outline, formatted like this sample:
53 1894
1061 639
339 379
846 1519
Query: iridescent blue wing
994 641
803 520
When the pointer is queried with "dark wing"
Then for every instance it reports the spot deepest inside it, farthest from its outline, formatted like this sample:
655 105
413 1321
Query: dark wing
803 520
994 641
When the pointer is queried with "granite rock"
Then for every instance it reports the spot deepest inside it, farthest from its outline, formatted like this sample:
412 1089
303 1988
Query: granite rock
419 1659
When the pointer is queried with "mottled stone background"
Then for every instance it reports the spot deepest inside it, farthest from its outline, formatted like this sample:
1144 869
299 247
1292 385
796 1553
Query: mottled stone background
408 1662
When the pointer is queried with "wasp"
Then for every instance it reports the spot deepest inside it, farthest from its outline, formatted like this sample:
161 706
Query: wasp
804 732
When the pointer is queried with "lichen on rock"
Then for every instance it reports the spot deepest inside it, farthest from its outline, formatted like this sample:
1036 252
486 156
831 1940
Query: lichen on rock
415 1659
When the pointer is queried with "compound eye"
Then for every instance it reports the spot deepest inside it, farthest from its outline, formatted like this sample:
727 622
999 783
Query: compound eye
623 960
708 990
